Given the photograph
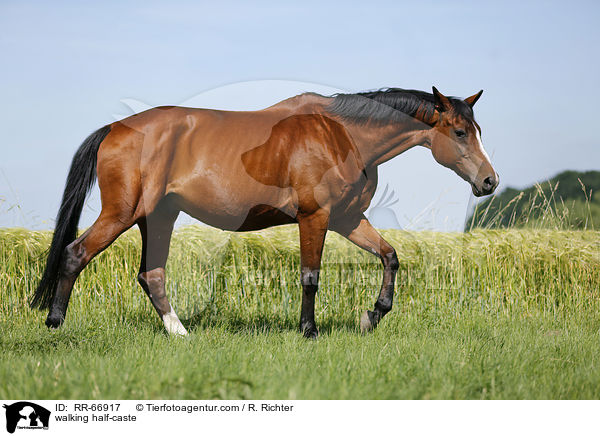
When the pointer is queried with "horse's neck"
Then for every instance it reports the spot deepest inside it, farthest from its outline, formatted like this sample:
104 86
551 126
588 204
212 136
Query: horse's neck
378 144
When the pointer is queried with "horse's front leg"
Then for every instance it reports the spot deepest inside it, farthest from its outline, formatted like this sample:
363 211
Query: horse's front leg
360 231
313 229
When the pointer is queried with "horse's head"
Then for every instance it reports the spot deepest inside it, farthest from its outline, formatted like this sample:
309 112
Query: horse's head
456 143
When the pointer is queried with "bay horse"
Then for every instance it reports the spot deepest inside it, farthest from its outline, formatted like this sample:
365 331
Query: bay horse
310 160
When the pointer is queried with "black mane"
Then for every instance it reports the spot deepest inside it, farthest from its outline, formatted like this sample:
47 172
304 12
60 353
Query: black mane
390 104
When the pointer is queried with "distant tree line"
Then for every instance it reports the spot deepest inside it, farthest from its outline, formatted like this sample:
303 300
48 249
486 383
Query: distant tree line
570 200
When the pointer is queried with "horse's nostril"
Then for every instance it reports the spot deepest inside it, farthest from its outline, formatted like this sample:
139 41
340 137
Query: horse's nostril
488 182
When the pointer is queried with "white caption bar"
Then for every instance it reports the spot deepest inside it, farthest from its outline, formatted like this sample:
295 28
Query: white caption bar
163 417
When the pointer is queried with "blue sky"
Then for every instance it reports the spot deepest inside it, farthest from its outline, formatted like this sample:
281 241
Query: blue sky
68 67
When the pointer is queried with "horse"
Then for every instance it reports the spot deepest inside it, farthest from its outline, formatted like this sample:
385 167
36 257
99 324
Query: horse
309 159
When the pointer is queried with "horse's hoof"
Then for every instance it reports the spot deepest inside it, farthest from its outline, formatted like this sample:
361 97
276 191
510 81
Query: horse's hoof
53 322
367 322
310 332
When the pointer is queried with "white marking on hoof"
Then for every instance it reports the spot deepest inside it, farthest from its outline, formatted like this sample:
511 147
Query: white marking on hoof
173 325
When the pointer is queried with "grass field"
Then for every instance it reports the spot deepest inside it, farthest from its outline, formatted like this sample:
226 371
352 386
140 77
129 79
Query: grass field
495 314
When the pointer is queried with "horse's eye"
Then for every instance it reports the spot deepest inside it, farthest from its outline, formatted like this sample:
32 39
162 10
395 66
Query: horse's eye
460 133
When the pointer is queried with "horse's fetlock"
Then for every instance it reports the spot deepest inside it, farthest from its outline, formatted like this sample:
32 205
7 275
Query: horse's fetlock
383 306
141 278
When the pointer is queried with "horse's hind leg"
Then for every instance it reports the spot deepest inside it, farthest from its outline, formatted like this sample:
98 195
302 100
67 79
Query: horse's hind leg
76 256
156 232
313 229
360 232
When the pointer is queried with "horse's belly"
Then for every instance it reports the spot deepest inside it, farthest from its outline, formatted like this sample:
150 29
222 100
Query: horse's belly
237 206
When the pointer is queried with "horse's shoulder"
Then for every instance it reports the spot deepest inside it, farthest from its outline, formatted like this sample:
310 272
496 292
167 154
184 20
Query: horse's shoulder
300 146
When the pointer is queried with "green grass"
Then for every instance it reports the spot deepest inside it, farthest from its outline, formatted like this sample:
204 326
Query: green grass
494 314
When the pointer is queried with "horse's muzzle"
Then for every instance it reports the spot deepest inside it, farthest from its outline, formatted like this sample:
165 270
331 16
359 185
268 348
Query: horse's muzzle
487 187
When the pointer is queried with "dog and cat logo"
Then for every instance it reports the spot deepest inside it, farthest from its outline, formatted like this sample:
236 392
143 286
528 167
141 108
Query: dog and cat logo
26 415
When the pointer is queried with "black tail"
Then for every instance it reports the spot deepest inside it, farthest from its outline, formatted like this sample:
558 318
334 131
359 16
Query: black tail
80 180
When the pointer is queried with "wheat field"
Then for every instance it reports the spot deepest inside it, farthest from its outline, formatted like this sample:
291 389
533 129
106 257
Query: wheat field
488 314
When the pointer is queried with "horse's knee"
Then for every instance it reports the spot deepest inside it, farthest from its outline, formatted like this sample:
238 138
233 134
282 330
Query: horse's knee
310 277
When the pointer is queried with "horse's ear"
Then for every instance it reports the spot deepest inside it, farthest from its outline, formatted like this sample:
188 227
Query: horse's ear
473 99
441 101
